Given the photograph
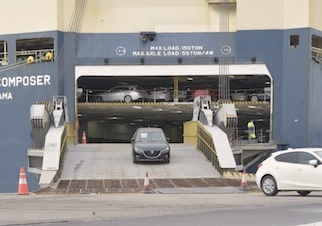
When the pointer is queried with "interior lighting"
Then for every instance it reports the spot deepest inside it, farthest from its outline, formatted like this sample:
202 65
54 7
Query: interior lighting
137 107
252 106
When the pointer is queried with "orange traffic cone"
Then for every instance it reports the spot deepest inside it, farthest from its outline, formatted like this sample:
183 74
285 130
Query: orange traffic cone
244 185
23 187
84 138
147 189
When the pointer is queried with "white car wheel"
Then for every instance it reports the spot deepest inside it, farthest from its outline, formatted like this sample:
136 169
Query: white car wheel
254 98
127 99
269 186
98 99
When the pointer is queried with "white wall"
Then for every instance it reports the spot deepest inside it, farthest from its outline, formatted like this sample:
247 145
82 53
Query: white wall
272 14
315 14
278 14
20 16
118 16
146 15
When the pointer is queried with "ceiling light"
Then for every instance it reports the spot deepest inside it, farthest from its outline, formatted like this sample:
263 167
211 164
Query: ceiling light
251 106
137 107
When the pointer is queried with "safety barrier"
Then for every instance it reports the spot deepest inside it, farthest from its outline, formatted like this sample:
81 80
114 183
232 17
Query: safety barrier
206 145
151 103
212 142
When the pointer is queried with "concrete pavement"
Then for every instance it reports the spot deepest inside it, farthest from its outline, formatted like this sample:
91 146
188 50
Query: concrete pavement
34 209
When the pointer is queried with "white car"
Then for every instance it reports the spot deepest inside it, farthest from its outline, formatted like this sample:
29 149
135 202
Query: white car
261 96
291 170
160 94
126 93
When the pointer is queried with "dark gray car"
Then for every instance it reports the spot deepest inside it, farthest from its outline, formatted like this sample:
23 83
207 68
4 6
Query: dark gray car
150 145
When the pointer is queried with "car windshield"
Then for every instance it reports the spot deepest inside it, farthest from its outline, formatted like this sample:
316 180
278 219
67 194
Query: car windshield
319 153
150 137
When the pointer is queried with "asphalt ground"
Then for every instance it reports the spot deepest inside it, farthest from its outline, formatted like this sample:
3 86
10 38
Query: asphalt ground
63 208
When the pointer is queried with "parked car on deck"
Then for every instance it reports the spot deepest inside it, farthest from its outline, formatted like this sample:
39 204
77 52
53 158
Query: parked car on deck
182 95
239 96
150 145
261 96
205 92
160 94
126 93
291 170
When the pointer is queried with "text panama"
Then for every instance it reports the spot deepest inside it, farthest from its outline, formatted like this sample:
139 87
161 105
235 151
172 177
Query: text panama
33 80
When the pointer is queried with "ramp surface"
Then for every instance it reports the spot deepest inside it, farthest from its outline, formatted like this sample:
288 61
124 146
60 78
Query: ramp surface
114 161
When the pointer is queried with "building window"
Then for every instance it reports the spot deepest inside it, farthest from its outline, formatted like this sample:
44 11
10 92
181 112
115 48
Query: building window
3 53
316 49
35 50
294 40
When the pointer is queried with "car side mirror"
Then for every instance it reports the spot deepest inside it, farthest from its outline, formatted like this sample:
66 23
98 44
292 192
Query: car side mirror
314 162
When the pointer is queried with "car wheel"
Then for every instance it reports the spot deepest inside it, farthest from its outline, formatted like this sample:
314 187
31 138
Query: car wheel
254 98
98 99
304 193
127 99
134 159
269 186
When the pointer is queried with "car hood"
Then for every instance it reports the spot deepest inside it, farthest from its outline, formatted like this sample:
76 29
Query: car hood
156 146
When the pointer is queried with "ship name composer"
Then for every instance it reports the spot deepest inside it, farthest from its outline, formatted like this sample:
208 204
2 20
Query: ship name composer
33 80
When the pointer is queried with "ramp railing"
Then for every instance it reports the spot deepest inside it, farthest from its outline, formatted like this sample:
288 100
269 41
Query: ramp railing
205 144
213 143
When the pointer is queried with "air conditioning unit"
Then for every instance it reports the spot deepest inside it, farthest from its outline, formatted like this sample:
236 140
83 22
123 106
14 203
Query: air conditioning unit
220 1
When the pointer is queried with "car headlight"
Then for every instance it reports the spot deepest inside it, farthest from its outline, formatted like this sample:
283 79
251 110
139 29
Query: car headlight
166 149
137 150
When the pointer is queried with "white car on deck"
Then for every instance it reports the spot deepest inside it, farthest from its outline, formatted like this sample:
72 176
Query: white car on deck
291 170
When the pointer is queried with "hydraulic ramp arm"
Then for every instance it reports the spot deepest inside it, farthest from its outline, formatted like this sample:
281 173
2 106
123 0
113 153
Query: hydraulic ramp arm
49 137
219 125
